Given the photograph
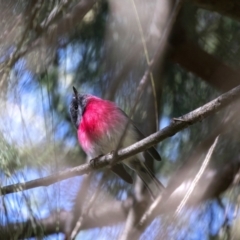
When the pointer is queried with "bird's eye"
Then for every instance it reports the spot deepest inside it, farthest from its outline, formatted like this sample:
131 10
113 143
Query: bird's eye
75 106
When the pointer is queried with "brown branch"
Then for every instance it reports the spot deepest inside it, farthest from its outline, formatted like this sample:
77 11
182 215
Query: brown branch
212 184
55 13
205 65
198 176
197 115
79 202
88 207
189 189
96 217
195 156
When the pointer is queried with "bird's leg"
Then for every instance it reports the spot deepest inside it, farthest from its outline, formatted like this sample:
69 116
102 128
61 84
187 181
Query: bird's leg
94 161
115 154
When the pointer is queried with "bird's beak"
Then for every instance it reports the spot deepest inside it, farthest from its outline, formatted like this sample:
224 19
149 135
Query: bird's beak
75 91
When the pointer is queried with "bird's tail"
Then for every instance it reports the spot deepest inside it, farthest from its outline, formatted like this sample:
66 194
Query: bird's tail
153 185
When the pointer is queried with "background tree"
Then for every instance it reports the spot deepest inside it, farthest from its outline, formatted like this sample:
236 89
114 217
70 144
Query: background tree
158 60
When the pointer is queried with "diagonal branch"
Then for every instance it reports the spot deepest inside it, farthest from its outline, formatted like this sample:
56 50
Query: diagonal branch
204 65
197 178
145 219
56 11
177 125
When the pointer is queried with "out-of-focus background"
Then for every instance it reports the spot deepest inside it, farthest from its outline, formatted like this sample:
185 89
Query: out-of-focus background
105 48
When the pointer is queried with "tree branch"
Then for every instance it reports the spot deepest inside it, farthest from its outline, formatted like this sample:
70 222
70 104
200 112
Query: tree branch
98 216
213 183
177 125
197 177
204 65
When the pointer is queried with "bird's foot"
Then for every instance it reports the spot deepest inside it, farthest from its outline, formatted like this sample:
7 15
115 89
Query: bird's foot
115 154
94 161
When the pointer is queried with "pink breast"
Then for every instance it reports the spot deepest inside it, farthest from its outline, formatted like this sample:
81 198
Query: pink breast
99 117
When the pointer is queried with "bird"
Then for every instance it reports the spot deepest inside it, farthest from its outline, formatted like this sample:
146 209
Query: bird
100 125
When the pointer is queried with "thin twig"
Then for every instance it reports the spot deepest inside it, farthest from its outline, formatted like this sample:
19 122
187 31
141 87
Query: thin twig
149 212
148 61
55 13
151 65
89 206
8 64
197 177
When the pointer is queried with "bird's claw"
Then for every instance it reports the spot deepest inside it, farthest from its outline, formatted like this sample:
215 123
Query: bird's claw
93 162
115 154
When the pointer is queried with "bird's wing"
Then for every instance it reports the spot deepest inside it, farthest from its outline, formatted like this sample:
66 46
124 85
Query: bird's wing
153 185
122 172
152 150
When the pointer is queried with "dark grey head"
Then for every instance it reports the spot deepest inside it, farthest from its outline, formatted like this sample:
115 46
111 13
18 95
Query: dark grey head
77 107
